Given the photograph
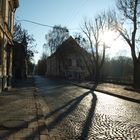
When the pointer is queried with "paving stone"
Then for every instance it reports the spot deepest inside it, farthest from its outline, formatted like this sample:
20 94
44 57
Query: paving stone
18 134
15 124
44 132
44 137
36 138
39 112
3 133
33 124
27 132
41 123
9 138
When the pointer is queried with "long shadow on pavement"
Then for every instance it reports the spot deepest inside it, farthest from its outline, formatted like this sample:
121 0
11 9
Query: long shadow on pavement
88 123
69 108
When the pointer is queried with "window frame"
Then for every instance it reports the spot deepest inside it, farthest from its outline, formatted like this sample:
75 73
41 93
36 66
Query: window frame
2 7
69 62
78 62
1 51
10 12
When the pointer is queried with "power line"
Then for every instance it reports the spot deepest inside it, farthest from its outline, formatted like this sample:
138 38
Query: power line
37 23
40 24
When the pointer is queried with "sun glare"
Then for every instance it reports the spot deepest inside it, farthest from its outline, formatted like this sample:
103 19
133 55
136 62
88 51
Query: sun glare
108 37
115 43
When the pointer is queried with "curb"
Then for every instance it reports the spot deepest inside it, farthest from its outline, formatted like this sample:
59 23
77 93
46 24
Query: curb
110 93
42 130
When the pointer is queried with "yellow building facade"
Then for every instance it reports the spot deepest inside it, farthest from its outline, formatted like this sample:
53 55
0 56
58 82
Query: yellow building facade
7 11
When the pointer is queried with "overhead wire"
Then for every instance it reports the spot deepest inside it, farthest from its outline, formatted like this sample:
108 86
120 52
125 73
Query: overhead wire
40 24
75 12
37 23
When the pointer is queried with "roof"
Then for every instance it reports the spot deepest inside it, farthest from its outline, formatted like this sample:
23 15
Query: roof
69 46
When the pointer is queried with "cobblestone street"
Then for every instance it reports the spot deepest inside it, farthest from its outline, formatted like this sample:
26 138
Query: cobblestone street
58 110
77 113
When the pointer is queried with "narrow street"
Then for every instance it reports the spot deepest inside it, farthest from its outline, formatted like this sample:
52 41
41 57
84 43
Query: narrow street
74 113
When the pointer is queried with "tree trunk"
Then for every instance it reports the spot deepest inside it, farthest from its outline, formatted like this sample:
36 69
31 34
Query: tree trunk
136 74
97 75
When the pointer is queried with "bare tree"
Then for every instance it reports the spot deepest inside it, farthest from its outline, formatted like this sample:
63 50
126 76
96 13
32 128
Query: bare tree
128 25
92 30
85 55
19 33
18 36
55 37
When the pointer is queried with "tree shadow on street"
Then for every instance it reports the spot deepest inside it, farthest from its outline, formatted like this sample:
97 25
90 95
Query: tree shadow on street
59 114
66 110
71 107
88 123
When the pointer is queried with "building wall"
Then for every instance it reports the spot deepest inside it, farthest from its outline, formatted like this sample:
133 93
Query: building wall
53 66
7 10
68 62
69 68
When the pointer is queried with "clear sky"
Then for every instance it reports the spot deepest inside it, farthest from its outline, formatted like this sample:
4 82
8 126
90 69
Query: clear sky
69 13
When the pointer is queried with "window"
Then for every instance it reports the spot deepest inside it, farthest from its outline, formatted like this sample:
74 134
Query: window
78 61
2 7
0 51
69 62
9 16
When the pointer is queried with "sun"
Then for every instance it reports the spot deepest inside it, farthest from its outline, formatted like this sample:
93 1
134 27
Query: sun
108 37
115 44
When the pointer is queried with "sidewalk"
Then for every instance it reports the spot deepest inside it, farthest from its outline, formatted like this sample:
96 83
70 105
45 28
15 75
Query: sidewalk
21 117
119 91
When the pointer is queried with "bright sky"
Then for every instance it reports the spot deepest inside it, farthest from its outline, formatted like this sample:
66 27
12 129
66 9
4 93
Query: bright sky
69 13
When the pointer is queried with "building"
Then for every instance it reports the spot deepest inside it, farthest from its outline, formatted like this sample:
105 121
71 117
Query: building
19 67
67 61
7 11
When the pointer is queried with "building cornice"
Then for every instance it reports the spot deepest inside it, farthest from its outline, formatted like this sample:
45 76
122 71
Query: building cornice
16 3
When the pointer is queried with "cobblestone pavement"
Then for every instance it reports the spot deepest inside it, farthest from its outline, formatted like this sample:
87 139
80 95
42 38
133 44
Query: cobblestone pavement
74 113
20 113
